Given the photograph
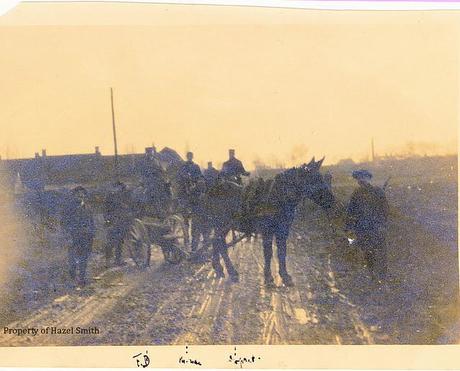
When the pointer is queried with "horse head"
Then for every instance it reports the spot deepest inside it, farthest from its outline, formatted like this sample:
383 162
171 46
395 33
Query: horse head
313 186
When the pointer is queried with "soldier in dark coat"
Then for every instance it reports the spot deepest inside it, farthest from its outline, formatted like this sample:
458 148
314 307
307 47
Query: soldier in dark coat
188 176
77 220
233 168
367 215
150 168
190 181
210 175
117 215
189 170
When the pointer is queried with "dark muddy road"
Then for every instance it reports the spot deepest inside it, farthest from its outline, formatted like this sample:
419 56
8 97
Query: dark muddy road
334 300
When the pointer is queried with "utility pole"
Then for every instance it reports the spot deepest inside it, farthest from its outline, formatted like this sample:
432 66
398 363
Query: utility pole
114 134
372 150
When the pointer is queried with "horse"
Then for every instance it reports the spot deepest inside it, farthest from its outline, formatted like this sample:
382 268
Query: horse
282 196
221 208
266 207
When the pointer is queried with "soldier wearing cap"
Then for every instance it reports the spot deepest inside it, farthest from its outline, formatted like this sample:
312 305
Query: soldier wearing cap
191 182
117 215
78 221
190 170
189 175
367 215
233 168
211 175
150 168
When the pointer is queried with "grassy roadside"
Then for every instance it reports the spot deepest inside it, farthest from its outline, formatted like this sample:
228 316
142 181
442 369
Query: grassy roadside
420 305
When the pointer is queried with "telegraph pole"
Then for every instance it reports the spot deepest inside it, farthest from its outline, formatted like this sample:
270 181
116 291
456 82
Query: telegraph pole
114 134
372 150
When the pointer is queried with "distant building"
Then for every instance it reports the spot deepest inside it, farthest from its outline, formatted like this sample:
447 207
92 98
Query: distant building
39 171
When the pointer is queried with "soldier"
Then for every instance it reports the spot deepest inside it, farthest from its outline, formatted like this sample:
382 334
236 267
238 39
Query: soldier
117 215
188 177
78 221
233 168
367 215
150 168
189 170
210 175
190 182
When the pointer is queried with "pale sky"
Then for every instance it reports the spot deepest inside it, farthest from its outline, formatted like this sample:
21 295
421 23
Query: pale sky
277 85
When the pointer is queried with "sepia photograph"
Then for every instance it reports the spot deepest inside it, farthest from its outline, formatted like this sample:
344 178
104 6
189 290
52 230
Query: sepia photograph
227 175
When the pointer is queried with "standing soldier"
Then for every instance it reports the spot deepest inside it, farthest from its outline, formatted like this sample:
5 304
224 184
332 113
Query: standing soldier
210 175
188 176
190 179
79 223
117 215
367 215
189 170
233 168
150 168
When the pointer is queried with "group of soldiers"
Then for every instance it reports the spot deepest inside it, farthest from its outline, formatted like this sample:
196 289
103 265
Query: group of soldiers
78 220
232 168
366 215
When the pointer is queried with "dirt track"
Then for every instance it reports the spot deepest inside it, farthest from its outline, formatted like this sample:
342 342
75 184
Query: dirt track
334 301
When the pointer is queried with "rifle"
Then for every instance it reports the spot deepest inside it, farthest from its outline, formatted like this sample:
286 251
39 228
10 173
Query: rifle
386 183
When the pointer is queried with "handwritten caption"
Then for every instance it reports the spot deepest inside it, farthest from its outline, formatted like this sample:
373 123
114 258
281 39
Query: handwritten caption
143 360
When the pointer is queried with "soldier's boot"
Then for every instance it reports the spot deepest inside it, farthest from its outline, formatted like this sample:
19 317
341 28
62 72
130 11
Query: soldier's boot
72 265
82 267
268 279
108 253
287 280
73 273
372 265
118 255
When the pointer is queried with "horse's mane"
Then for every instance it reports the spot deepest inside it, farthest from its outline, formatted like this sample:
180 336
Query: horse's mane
276 191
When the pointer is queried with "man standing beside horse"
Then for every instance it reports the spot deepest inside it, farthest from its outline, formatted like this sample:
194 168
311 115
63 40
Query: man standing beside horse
78 222
367 215
191 186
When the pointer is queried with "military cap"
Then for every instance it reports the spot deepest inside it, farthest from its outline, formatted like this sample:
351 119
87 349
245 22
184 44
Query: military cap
362 174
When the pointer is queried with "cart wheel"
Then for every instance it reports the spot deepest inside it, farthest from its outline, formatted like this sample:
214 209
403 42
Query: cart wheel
173 254
175 251
139 245
178 229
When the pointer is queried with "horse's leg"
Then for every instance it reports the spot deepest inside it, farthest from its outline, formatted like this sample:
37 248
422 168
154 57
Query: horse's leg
228 263
267 239
196 232
187 228
282 252
215 260
206 233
